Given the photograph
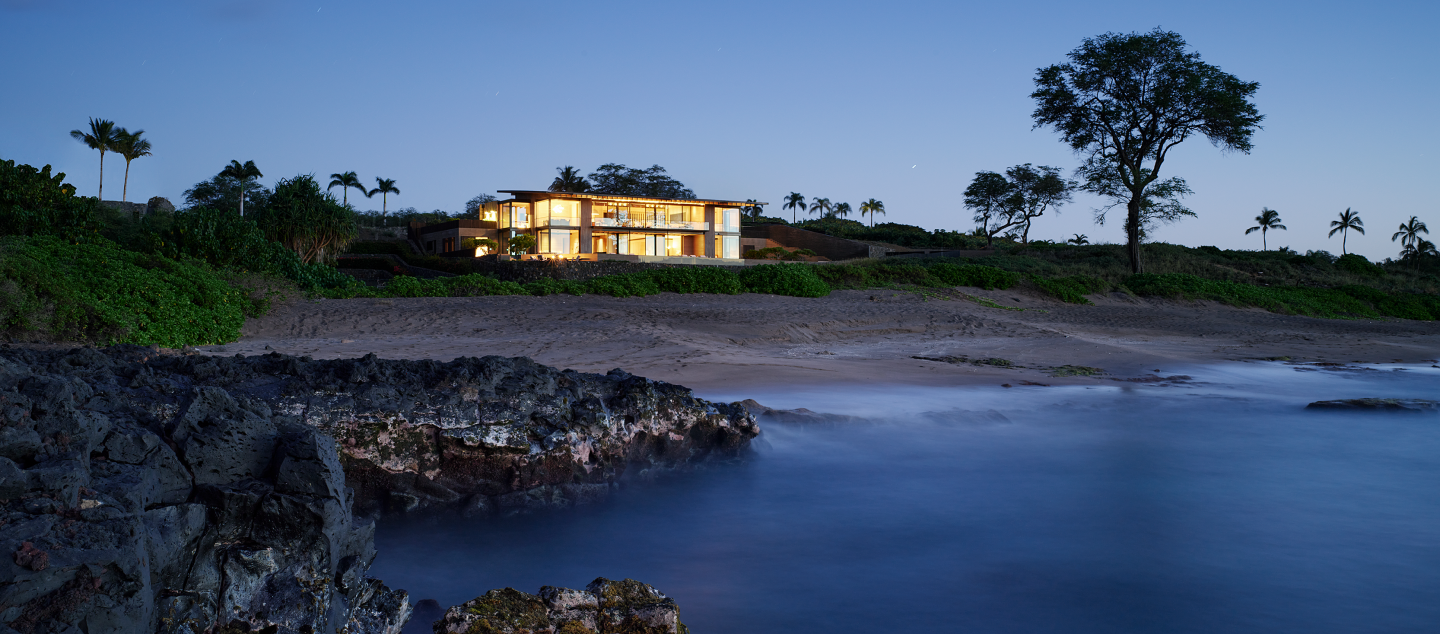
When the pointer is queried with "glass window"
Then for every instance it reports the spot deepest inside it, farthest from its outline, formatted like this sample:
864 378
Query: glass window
559 241
732 246
672 245
727 219
564 213
515 215
542 213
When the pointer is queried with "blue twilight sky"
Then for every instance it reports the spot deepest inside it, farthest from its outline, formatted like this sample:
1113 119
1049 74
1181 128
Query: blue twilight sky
900 101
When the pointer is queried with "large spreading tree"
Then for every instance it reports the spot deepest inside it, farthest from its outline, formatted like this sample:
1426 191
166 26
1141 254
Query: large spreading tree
1125 100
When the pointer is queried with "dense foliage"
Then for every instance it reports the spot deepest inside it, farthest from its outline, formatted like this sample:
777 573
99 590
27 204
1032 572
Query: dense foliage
34 202
306 219
1344 301
224 240
794 280
51 289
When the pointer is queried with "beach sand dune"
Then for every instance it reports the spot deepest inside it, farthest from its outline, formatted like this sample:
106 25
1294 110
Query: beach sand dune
720 341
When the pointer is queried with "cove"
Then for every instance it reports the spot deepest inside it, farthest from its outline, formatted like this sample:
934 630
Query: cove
1214 505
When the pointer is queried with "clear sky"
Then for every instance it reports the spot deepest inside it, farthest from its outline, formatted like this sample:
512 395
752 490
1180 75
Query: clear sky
900 101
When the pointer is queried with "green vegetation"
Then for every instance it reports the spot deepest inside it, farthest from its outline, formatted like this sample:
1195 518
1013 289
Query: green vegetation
794 280
1345 301
51 289
35 202
1079 370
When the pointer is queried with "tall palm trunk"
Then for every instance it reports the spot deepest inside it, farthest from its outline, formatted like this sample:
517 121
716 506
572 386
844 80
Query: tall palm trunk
242 199
1264 244
1344 235
101 195
125 188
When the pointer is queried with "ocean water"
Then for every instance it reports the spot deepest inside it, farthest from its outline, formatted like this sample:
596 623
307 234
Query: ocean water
1217 505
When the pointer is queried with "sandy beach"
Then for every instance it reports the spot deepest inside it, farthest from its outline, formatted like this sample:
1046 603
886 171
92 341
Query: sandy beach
724 342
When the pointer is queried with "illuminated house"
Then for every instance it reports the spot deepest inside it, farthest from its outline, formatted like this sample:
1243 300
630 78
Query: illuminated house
604 227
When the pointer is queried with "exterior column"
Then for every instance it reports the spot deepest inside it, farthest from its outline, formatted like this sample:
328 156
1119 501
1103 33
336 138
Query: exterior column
586 244
710 231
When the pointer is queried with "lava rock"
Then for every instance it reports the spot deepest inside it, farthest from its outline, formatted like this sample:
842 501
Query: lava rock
160 505
1379 404
604 607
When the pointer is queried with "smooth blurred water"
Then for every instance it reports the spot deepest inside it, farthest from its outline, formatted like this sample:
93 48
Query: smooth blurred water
1220 506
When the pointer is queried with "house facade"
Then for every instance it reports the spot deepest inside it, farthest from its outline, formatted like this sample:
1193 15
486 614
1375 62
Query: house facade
602 226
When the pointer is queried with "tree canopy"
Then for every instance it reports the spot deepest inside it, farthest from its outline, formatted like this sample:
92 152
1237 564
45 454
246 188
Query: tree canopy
1012 201
307 219
1125 100
35 202
654 182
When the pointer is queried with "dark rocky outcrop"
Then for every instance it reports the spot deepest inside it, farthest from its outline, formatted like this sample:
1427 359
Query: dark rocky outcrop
604 607
474 434
157 491
201 513
1379 404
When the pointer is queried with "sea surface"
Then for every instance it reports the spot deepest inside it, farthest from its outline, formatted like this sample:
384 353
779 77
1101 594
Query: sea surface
1214 505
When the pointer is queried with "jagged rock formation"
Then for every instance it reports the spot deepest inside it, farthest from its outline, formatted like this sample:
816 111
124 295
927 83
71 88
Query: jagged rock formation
146 490
195 513
604 607
474 434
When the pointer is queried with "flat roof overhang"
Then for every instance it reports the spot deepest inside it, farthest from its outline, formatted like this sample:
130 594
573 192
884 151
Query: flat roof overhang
531 195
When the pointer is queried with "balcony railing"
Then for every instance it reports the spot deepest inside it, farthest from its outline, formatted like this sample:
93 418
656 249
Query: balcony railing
650 224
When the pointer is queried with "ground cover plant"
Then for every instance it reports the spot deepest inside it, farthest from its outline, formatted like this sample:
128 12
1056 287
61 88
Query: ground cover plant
51 289
780 279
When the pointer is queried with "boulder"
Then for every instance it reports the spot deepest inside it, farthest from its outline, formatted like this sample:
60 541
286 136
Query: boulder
159 204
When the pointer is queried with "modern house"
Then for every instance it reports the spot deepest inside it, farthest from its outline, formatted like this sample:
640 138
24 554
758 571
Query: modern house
600 227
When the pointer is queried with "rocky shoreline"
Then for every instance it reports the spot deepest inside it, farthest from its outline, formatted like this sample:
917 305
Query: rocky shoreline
148 490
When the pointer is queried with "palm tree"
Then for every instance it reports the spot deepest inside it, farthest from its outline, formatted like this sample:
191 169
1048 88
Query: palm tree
794 202
752 208
1409 237
1349 220
842 210
101 137
131 146
346 180
872 207
386 187
242 173
1079 239
821 206
1421 247
569 180
1267 220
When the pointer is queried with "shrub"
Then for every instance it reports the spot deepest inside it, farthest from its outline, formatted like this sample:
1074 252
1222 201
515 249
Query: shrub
986 277
1316 302
32 202
1071 289
707 279
638 284
53 290
1357 264
548 286
795 280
